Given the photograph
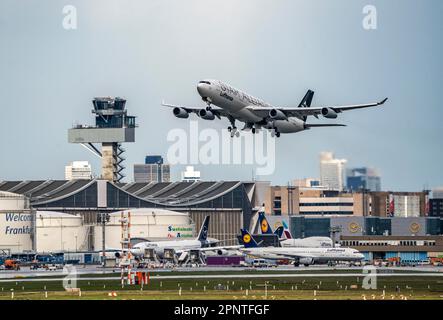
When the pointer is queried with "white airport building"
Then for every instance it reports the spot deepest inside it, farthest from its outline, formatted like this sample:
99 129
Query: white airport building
78 170
148 224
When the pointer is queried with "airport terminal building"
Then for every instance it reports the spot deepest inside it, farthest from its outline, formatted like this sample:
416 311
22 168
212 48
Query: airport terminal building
229 203
59 215
411 239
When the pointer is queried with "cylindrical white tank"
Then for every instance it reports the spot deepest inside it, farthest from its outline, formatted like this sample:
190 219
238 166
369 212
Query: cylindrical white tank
15 223
56 232
150 224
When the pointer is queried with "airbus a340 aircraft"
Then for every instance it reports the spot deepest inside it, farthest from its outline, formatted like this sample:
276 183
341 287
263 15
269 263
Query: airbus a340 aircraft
255 113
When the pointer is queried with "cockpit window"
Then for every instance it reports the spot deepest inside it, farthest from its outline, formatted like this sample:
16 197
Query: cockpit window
206 82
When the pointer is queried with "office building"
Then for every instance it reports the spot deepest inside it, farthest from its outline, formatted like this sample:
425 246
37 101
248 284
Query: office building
332 171
436 203
307 182
153 170
78 170
437 193
287 200
363 178
190 175
408 240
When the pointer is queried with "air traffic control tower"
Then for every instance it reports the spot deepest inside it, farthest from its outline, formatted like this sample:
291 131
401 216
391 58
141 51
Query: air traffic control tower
112 127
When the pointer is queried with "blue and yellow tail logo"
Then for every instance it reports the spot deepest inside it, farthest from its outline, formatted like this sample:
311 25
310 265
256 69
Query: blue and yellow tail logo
246 238
264 226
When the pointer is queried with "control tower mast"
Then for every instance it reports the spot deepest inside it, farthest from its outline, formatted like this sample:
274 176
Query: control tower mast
112 127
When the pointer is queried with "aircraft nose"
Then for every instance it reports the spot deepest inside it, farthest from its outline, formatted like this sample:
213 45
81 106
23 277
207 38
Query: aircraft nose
201 88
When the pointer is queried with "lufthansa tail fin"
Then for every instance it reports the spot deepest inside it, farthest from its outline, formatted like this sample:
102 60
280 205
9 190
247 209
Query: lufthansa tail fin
265 228
248 240
203 234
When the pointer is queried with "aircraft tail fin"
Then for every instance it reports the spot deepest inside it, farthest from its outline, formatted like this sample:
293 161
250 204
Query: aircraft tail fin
286 231
264 225
307 100
203 234
248 240
279 232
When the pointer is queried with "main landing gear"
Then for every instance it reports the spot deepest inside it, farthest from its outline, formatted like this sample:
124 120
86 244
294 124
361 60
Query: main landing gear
233 129
234 132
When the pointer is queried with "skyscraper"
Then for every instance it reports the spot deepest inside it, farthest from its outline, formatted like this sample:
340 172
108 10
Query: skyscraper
363 178
332 171
153 170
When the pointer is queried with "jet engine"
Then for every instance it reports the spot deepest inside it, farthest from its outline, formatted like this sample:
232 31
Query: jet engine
206 114
222 252
329 113
277 115
180 113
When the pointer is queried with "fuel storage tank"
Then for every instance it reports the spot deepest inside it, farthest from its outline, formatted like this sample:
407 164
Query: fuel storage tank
57 232
16 223
147 223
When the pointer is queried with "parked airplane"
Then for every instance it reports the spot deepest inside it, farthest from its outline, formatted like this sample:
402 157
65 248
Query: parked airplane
255 113
201 243
298 255
309 242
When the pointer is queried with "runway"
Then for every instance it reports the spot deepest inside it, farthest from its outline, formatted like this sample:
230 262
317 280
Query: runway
382 272
96 270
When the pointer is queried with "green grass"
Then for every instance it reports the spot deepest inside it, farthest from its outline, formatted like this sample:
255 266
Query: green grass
278 288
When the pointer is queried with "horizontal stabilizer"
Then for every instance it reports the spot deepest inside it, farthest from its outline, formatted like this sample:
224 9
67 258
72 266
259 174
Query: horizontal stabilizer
324 125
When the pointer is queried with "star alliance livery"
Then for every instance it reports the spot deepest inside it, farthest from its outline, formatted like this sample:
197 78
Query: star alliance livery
257 114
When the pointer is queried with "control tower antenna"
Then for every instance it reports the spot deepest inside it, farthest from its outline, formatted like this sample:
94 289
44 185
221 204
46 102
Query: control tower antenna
112 128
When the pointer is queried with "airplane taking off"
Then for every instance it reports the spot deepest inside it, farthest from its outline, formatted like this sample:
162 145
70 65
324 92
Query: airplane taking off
257 114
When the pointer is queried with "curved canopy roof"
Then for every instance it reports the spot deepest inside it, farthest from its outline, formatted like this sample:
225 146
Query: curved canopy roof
161 193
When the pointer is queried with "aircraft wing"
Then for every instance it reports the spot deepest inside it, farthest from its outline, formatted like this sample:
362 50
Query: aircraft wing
296 255
212 248
218 112
312 111
278 255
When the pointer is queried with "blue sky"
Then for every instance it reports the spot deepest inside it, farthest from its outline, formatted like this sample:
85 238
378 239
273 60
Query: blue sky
147 51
